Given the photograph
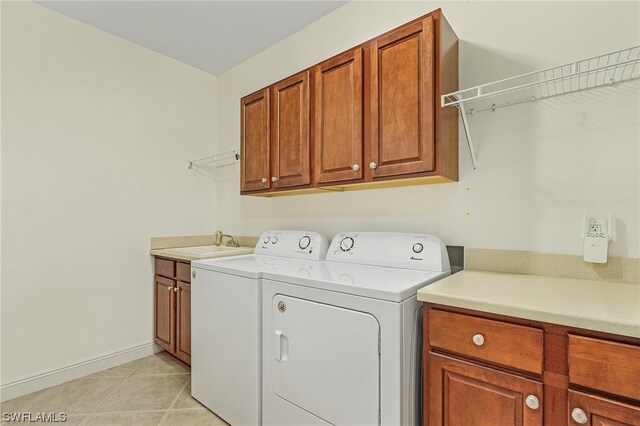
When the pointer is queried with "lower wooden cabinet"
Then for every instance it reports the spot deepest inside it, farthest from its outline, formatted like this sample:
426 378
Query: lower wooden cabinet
461 393
488 369
183 322
596 411
172 307
165 318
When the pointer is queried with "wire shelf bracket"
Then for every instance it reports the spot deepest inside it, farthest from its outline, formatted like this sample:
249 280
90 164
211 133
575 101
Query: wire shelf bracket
218 160
598 71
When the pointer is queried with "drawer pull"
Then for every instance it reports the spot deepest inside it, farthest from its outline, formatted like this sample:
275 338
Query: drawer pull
579 416
478 340
532 402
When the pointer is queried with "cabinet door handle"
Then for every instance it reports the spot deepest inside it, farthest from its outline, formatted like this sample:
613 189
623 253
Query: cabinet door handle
373 165
175 289
478 339
532 402
579 416
274 179
264 180
169 288
355 167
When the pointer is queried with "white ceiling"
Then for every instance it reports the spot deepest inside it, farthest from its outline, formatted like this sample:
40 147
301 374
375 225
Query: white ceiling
213 36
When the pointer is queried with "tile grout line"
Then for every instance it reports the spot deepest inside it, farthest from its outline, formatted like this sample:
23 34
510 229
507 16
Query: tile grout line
166 414
115 389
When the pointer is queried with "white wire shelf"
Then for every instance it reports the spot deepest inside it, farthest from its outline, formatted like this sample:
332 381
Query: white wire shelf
608 69
218 160
604 70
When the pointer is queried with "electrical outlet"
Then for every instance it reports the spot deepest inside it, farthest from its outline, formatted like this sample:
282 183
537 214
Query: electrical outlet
596 233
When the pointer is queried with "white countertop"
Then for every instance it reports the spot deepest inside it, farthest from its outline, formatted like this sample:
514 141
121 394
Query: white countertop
595 305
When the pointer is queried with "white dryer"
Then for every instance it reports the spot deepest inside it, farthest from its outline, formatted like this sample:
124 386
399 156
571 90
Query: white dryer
342 342
226 321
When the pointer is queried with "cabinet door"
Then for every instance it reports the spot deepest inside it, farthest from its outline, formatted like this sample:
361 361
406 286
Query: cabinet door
183 322
462 393
402 101
338 118
165 312
290 161
254 137
598 411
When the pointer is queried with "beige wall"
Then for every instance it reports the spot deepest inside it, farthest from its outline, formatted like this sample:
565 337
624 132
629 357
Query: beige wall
540 165
96 133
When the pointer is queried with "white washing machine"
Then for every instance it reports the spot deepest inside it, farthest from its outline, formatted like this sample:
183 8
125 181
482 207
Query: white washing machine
226 321
342 341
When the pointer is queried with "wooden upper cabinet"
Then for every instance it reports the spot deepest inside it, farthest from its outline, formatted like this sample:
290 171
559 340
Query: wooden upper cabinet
368 117
290 151
403 101
254 135
337 94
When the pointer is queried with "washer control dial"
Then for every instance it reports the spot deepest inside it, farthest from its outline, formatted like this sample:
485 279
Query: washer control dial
274 240
346 244
304 242
417 248
266 240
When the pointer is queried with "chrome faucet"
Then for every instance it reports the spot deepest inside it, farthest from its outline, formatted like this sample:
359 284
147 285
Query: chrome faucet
218 236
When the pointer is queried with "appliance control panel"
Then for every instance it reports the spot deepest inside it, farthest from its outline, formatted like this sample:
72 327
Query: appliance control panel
391 249
294 244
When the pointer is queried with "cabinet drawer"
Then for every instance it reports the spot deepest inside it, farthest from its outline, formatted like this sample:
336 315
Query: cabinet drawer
165 267
183 272
608 366
498 342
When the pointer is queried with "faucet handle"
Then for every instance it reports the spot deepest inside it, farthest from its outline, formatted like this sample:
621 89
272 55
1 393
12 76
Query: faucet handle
232 242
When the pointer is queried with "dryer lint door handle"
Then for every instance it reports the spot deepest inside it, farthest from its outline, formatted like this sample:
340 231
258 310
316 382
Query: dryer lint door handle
281 346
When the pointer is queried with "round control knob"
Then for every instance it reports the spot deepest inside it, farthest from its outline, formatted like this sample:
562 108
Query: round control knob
274 240
417 248
264 180
373 165
532 402
478 339
579 416
266 240
346 244
355 167
304 242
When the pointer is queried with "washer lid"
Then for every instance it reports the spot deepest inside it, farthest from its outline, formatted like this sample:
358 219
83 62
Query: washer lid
376 282
252 265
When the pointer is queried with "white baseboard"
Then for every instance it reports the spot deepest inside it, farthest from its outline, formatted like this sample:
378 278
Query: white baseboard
44 379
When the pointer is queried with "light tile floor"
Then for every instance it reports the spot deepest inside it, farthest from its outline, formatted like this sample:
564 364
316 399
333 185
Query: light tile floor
150 391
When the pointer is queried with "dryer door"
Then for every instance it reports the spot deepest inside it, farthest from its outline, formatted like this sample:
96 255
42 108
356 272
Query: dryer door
326 360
